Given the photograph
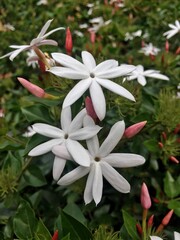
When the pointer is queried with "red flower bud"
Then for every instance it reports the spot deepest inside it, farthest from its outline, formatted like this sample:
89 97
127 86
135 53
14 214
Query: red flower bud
90 109
145 197
55 236
92 36
150 221
68 43
139 229
164 135
134 129
167 218
173 159
160 144
177 51
167 46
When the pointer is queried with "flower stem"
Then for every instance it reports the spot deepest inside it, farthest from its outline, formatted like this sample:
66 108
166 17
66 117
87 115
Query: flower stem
144 217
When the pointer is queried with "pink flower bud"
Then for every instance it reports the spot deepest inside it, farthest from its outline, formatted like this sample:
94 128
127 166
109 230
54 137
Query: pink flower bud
90 109
177 51
167 46
139 229
167 218
55 236
145 198
173 159
164 135
32 88
68 43
134 129
92 36
160 144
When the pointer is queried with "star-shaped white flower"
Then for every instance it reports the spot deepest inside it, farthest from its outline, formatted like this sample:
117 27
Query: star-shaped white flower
102 163
38 41
176 237
149 49
92 77
141 75
174 30
71 132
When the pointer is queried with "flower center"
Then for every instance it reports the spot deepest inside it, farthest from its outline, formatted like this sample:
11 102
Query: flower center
66 136
92 75
97 159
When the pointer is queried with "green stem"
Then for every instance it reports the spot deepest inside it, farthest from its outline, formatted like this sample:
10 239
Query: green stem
144 217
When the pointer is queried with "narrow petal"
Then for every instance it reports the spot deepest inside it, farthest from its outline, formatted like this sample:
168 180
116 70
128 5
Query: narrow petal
158 75
97 184
172 26
85 133
68 73
155 238
69 62
44 147
112 139
114 178
98 100
73 176
62 152
116 88
108 64
92 143
52 31
77 122
124 160
58 167
47 42
44 28
47 130
176 236
88 197
88 60
66 118
77 91
78 152
141 80
119 71
16 52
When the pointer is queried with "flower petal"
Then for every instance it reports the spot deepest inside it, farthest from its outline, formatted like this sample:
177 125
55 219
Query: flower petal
44 147
112 139
114 178
47 130
68 73
88 197
52 31
16 52
124 160
85 133
78 152
108 64
155 238
98 100
157 75
76 92
69 62
46 42
88 60
141 80
176 236
44 28
116 88
62 152
119 71
77 122
97 183
66 118
72 176
58 167
92 143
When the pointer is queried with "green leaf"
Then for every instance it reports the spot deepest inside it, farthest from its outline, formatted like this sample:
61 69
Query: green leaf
73 210
6 144
130 225
175 205
170 186
34 177
151 145
42 232
37 113
24 222
67 237
76 229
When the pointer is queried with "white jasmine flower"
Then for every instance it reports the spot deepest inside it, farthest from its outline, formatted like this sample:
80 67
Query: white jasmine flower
84 25
176 237
149 49
97 23
131 36
71 132
32 59
174 30
42 2
141 75
92 77
38 41
78 33
8 26
102 164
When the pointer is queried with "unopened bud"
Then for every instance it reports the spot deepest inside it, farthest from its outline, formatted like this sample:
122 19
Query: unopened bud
90 109
134 129
155 200
139 229
32 88
145 197
150 221
167 46
152 57
55 236
160 144
167 218
177 51
68 43
164 135
92 37
173 159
